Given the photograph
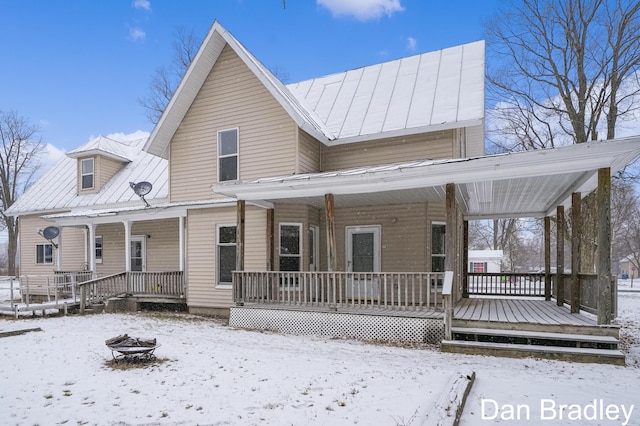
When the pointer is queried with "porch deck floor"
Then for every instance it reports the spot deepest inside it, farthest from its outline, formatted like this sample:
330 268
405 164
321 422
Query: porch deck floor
514 310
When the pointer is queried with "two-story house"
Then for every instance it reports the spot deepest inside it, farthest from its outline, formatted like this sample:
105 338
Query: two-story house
345 192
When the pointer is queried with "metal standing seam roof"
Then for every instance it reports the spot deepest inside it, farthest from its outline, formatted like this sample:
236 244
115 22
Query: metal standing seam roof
443 88
428 92
57 189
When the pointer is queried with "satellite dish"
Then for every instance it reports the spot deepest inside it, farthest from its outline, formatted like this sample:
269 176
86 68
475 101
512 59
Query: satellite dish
50 232
141 189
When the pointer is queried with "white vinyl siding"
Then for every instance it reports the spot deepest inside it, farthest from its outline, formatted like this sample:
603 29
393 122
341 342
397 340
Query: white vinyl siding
424 146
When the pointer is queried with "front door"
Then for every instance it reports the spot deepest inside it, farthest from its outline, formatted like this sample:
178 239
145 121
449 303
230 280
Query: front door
363 255
138 253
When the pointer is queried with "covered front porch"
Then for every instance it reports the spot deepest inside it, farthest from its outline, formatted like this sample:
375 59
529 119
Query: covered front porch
527 184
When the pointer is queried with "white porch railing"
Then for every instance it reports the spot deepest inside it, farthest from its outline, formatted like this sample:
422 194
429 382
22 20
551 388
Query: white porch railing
384 290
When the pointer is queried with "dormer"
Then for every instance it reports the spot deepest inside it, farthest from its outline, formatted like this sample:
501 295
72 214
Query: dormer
98 161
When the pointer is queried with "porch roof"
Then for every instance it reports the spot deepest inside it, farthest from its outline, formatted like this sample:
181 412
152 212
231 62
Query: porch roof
522 184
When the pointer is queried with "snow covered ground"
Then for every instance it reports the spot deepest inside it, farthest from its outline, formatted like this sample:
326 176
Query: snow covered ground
213 374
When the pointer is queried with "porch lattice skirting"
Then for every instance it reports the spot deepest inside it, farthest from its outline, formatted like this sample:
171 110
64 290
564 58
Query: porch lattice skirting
376 327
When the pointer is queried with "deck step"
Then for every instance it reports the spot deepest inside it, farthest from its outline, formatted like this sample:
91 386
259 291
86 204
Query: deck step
534 338
512 350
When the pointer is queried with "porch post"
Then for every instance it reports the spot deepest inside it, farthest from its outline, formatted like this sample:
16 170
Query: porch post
127 245
59 250
576 232
465 258
603 202
92 248
560 255
331 233
450 237
181 242
270 239
240 211
547 258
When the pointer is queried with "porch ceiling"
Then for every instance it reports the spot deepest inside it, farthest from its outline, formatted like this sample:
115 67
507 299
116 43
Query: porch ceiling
523 184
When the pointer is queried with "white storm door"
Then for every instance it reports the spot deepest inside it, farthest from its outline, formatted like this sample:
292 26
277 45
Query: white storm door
363 255
138 253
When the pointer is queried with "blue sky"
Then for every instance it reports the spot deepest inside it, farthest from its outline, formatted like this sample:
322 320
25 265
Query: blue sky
77 68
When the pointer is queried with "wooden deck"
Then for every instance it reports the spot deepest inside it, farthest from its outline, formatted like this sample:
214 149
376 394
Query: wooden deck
519 311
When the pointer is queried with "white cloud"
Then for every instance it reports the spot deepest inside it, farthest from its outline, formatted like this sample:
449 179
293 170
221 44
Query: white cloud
126 137
412 44
362 9
137 34
142 4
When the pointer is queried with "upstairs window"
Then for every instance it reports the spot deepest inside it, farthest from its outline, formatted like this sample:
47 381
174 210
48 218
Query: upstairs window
228 155
87 173
44 254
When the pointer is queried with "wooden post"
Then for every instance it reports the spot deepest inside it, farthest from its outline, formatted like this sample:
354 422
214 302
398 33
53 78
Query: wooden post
238 289
576 234
331 233
450 238
560 256
547 258
270 239
83 298
465 258
604 246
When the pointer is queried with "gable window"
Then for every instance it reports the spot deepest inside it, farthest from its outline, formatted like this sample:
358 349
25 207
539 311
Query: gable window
227 249
98 243
290 246
437 246
228 155
44 254
87 173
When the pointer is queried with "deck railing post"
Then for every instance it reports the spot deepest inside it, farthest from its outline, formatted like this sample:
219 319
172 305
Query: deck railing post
83 299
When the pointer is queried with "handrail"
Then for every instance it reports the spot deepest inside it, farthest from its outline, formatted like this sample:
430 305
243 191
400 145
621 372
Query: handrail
332 290
506 284
131 283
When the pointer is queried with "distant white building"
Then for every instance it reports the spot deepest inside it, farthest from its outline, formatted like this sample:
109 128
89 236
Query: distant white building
627 267
485 260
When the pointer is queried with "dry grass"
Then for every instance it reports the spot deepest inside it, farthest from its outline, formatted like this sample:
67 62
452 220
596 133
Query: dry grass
133 362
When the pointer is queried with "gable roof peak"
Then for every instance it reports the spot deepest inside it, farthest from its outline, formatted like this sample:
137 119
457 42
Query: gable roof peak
210 49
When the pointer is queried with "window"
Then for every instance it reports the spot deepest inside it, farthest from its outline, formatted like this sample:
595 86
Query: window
437 247
44 253
478 267
228 155
226 253
87 173
290 246
98 244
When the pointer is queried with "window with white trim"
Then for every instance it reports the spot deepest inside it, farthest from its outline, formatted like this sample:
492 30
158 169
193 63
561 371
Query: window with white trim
87 174
98 245
438 232
290 246
479 267
228 155
227 250
44 254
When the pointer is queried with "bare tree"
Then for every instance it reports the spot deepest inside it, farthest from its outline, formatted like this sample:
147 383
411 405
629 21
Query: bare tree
165 79
18 164
561 71
560 66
